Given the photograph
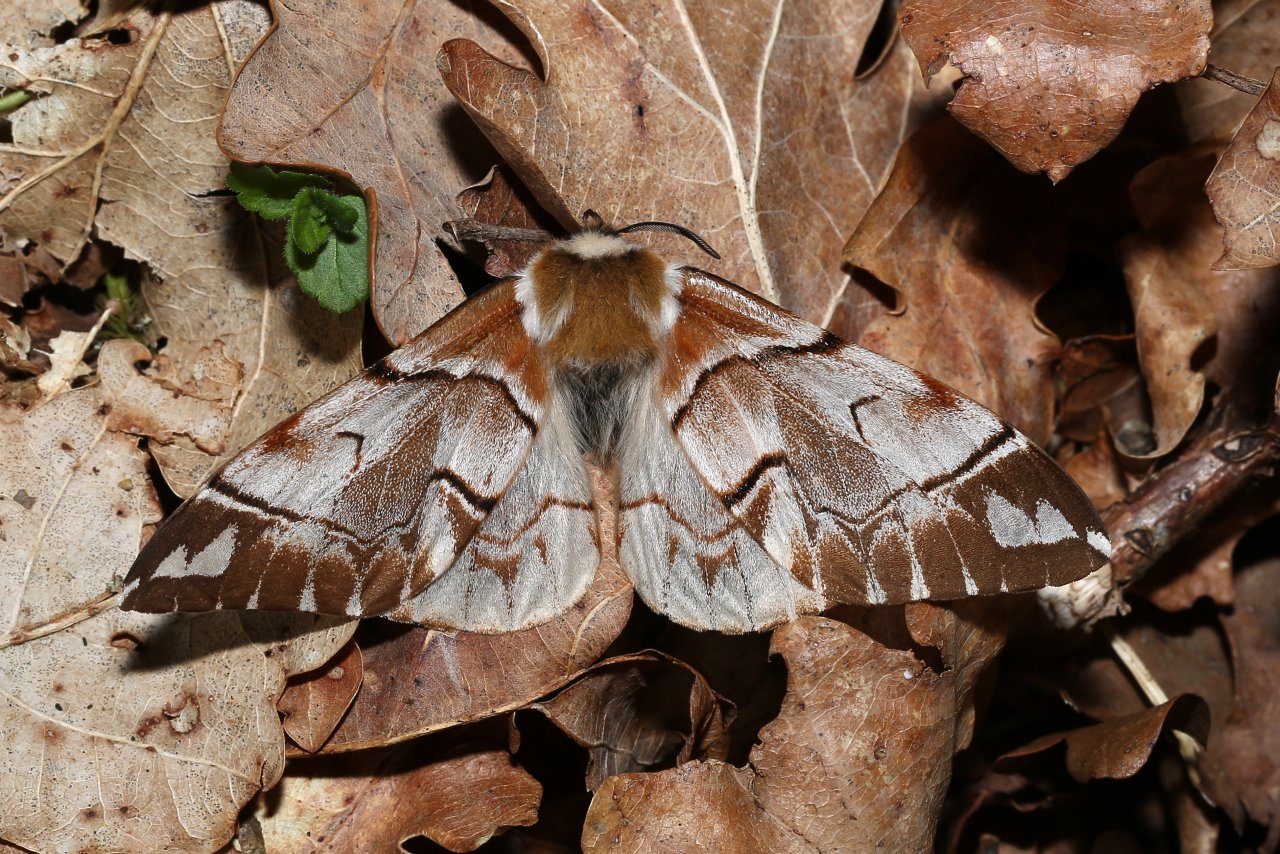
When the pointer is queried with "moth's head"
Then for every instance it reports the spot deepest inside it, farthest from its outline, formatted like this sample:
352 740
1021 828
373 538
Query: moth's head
597 240
596 298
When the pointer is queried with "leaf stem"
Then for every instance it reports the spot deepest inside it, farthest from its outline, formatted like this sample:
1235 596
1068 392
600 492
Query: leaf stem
1248 85
14 100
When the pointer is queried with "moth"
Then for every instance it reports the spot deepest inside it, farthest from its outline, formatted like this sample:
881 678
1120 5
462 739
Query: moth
764 469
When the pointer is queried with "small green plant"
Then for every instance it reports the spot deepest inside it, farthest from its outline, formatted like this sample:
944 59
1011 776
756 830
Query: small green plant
127 319
327 245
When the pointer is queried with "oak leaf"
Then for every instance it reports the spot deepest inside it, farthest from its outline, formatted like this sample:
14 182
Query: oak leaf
378 117
123 732
122 141
966 242
755 136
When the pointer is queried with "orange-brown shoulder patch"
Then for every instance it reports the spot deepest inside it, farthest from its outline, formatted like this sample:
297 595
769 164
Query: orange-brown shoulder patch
610 305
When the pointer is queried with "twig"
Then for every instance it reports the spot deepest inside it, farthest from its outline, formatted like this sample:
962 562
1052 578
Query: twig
1171 503
483 232
1248 85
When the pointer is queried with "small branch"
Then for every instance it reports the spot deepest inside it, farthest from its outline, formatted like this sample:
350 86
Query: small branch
1248 85
1172 503
483 232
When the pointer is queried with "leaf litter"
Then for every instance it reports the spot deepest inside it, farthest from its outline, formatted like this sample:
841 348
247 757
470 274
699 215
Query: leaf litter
1095 314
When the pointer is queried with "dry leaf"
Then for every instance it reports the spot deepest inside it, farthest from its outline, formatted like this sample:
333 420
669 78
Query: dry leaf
313 705
27 23
501 200
639 712
1051 85
967 243
741 122
374 800
195 403
1251 740
1245 188
1192 323
76 499
379 116
123 141
1118 748
858 757
1193 659
124 732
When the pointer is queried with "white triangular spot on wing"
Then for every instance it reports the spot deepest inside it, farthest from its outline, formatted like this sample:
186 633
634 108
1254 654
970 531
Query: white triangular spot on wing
1051 525
211 562
1099 541
1009 525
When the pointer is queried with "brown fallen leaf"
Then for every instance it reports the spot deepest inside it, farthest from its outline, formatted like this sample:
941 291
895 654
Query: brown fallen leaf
1050 85
380 117
1120 747
1243 41
313 704
1251 742
376 800
1181 304
123 732
114 119
1245 188
639 712
27 23
740 121
858 757
1202 565
1192 658
501 200
968 245
76 499
164 404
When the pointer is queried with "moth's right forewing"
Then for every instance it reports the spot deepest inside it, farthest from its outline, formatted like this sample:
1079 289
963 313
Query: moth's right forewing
358 502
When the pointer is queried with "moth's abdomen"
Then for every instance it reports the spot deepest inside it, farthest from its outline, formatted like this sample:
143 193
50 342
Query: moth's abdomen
599 401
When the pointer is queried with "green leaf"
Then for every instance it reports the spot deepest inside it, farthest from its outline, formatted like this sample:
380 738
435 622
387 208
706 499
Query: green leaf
267 192
308 226
340 214
337 275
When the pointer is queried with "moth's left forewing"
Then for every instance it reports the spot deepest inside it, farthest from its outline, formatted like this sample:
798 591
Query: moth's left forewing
868 481
358 502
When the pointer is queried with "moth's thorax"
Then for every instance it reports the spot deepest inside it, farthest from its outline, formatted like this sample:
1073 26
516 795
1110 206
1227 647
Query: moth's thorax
595 300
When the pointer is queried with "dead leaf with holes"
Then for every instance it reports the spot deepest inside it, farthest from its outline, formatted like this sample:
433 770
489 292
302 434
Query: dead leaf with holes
123 732
121 140
742 122
1245 188
1050 85
380 116
859 756
968 244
